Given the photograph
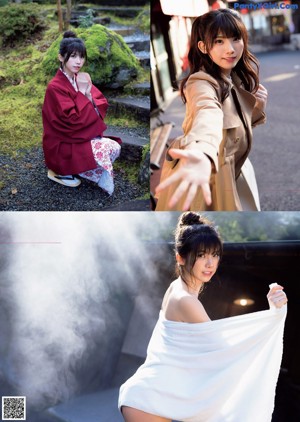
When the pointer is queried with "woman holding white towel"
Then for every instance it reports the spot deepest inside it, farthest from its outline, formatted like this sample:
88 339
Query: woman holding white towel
167 386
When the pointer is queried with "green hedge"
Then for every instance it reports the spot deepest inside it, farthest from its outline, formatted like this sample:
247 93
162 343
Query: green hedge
19 21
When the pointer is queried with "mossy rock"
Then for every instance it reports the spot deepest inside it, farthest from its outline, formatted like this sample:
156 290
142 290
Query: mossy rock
111 63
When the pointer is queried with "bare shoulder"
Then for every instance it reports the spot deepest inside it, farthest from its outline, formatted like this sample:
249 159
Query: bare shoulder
191 309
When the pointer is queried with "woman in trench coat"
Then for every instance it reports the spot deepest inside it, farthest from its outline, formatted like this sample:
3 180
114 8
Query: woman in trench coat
207 167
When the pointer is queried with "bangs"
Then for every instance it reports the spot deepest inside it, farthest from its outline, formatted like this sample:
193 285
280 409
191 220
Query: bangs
78 48
80 53
210 246
226 25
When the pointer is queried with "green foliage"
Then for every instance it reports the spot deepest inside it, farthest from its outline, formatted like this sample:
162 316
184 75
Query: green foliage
87 20
240 226
42 1
107 55
143 19
140 21
234 227
17 22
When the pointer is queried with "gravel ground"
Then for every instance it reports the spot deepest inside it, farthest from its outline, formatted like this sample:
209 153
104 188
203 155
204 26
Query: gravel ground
24 186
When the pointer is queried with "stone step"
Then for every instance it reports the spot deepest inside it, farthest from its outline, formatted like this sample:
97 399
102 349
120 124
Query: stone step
140 89
138 42
137 106
134 205
121 30
144 58
120 11
132 146
100 406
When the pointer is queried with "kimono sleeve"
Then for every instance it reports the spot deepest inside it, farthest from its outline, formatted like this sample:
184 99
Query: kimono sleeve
206 127
68 113
100 101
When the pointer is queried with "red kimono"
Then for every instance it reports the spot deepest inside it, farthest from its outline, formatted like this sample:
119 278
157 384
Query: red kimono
70 123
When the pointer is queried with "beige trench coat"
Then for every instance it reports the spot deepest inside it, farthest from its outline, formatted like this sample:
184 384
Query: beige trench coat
217 130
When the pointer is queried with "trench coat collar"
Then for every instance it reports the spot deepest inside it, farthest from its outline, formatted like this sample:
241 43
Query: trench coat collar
246 99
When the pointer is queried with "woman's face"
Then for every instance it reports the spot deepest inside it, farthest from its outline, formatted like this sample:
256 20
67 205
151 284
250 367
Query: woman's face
226 52
74 64
205 266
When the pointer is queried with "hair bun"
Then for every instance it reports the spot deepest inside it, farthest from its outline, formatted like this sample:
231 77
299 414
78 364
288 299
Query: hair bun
70 34
190 218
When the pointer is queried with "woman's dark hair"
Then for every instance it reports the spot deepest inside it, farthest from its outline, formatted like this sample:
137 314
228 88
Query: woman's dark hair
206 28
195 235
71 44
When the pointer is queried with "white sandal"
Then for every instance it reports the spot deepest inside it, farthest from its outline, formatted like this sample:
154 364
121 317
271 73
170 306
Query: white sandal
68 180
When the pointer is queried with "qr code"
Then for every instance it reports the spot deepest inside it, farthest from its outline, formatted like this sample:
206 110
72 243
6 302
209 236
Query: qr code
13 408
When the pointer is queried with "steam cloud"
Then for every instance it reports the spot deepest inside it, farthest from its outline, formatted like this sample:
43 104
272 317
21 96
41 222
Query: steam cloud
62 275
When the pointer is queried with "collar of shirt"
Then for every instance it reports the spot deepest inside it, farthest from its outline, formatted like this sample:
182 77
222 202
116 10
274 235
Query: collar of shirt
72 80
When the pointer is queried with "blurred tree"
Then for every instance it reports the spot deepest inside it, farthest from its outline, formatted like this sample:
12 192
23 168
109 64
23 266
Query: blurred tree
233 226
68 14
59 15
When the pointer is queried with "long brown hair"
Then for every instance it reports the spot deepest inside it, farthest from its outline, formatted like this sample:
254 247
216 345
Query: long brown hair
206 28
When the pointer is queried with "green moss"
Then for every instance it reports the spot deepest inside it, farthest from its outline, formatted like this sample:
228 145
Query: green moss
126 120
20 115
145 196
131 171
146 149
17 67
107 55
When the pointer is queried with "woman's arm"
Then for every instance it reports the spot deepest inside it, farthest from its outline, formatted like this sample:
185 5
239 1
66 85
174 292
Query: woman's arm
194 170
200 146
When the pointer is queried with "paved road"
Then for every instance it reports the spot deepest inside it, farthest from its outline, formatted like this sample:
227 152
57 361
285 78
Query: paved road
276 149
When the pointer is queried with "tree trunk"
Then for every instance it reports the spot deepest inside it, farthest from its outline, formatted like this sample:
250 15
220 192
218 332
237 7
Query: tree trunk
59 15
68 15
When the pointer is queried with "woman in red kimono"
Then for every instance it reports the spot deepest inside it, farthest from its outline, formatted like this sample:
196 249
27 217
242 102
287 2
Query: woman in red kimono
73 113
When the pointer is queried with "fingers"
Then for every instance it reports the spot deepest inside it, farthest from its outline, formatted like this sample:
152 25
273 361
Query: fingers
262 88
182 188
193 172
277 296
179 153
167 182
206 193
190 196
261 92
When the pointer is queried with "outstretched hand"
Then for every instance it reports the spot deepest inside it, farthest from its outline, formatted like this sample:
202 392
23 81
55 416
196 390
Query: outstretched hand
193 171
276 296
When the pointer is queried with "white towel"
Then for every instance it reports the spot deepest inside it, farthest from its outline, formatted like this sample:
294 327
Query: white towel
218 371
